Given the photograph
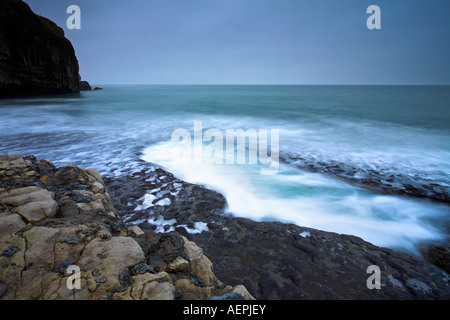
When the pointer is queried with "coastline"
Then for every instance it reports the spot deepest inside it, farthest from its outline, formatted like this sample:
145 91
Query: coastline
262 260
56 221
274 260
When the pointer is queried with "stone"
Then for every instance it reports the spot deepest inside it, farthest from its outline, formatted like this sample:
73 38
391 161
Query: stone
111 258
85 86
228 296
243 292
40 244
438 255
201 264
36 211
32 203
10 223
3 287
116 261
158 291
179 264
136 230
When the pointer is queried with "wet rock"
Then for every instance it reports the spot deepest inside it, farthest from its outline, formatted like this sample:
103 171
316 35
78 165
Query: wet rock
85 86
439 256
228 296
36 249
272 260
379 180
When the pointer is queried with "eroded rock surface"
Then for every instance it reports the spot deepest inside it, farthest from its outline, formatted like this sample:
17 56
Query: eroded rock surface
54 218
272 260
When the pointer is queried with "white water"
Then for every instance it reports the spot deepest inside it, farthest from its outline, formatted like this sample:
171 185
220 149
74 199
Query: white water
400 132
308 199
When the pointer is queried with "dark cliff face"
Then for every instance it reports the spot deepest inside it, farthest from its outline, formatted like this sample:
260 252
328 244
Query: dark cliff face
35 57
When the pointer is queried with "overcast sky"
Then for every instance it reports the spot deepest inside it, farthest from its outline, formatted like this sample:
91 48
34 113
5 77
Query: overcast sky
257 41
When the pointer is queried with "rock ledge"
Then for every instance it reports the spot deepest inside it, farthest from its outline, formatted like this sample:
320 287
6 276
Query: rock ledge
53 218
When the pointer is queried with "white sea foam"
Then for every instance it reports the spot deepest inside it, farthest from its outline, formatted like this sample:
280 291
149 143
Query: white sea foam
311 200
163 202
305 234
160 223
147 202
199 227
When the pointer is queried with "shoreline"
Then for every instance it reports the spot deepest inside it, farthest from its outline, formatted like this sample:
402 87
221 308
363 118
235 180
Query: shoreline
85 212
241 248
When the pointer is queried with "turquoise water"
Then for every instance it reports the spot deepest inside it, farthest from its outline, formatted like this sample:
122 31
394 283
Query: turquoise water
401 132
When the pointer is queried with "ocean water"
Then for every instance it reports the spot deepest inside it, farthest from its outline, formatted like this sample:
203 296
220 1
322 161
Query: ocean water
400 133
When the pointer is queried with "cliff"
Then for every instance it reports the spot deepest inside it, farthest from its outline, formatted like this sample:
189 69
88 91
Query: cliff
54 218
35 56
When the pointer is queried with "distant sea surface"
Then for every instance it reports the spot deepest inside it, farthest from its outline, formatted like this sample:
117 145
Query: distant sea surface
400 133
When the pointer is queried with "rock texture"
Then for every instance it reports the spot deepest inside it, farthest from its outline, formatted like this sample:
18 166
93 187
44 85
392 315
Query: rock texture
438 255
272 260
35 57
54 218
85 86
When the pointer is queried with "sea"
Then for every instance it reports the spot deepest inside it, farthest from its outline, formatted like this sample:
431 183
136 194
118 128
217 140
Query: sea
398 134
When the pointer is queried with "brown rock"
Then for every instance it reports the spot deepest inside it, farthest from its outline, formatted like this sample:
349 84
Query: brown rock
10 223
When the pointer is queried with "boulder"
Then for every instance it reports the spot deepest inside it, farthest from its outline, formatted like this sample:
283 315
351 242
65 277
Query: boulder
85 86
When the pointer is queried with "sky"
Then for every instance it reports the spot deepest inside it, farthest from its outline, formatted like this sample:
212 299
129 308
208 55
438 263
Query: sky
257 41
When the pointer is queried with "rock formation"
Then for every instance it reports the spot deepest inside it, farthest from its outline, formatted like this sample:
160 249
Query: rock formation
273 260
85 86
35 57
55 218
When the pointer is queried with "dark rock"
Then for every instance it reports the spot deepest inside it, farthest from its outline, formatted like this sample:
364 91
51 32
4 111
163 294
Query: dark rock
3 288
228 296
63 266
72 238
125 278
378 180
85 86
79 186
141 269
439 256
36 58
9 252
272 259
97 88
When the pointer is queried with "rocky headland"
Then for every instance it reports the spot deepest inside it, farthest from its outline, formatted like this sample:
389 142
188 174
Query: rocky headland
35 56
54 218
